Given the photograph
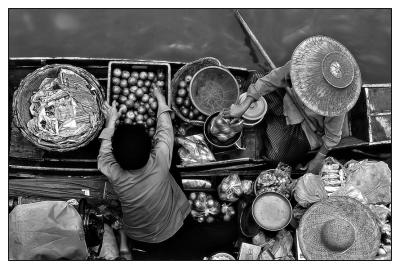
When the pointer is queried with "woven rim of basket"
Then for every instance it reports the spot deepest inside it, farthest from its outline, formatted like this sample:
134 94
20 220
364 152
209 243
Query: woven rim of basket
189 69
35 140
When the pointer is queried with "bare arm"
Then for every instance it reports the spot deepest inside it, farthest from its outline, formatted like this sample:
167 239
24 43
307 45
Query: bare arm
106 162
333 135
164 136
277 78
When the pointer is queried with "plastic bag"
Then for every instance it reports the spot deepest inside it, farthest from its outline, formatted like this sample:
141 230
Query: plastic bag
282 248
194 150
49 230
351 192
309 189
230 188
382 214
109 249
372 179
204 207
247 187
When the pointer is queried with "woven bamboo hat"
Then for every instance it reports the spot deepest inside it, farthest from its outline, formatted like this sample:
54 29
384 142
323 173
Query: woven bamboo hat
339 228
325 76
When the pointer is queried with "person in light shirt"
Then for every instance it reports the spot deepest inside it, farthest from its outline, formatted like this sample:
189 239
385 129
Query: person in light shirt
154 207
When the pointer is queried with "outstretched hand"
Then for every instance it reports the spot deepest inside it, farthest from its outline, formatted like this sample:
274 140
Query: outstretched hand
235 111
315 165
159 96
110 113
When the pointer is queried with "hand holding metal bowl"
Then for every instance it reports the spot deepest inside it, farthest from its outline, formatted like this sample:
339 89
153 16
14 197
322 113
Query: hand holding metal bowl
224 128
221 132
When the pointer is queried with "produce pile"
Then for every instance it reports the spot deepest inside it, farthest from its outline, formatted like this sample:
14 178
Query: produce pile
207 208
224 129
275 180
134 93
184 103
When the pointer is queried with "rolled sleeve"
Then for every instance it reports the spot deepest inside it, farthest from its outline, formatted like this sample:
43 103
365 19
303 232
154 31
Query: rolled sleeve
106 162
163 108
277 78
333 131
164 136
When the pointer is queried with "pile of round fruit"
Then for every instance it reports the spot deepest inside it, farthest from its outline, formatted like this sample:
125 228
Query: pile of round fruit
134 93
207 208
183 102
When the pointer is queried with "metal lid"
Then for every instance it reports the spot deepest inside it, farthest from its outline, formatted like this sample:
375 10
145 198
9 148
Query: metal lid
256 111
272 211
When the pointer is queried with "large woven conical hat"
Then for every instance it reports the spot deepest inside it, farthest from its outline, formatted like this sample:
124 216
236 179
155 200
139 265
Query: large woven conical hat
339 228
325 76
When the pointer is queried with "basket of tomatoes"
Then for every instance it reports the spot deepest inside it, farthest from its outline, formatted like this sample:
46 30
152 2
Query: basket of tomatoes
180 99
132 84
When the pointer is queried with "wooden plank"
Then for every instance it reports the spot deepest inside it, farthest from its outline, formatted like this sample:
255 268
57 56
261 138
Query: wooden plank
20 147
62 187
52 169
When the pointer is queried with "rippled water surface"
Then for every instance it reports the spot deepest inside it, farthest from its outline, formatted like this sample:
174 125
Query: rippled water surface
188 34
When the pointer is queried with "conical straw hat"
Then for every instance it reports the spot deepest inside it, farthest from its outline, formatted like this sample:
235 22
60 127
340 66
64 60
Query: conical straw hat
325 76
339 228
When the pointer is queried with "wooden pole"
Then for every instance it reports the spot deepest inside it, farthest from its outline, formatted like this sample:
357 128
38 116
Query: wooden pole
254 39
271 63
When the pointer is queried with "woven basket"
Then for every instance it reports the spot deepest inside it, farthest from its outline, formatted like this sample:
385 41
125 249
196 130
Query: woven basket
189 69
22 102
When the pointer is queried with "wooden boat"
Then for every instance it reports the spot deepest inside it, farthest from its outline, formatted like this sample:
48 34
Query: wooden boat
368 134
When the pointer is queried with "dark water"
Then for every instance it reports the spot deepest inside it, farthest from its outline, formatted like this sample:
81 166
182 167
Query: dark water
188 34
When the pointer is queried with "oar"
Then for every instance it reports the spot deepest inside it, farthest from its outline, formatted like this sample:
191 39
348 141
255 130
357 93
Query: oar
271 63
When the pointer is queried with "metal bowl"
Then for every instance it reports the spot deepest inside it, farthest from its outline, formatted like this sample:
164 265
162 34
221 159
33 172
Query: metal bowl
213 140
272 211
213 89
222 256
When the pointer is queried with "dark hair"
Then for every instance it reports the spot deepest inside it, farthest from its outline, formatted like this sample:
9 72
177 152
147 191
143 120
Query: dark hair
131 146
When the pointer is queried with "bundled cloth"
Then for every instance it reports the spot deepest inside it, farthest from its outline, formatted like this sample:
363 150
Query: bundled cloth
48 230
309 189
372 179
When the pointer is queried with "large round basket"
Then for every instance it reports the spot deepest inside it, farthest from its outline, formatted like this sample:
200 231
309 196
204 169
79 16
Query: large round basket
189 69
22 101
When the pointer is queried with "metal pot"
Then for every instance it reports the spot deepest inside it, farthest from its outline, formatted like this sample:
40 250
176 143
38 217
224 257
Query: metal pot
272 211
214 141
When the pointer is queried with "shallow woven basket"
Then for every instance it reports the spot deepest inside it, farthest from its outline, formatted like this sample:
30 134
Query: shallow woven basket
22 102
189 69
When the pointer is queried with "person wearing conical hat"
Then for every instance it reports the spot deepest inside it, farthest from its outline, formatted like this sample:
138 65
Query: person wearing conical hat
322 82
